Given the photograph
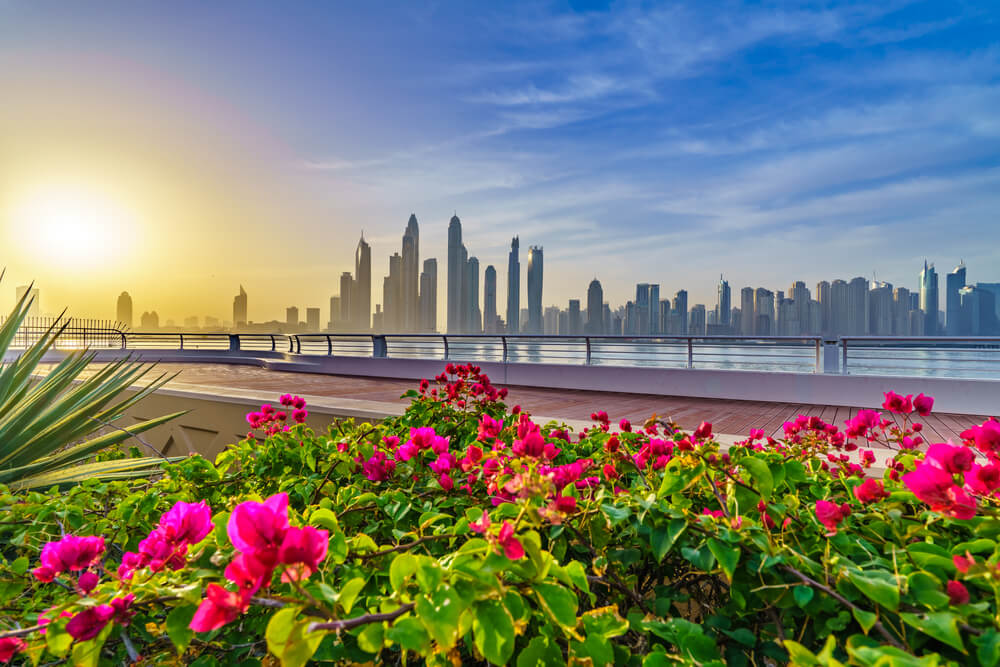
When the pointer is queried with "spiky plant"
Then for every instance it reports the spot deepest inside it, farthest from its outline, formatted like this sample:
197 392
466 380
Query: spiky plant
52 426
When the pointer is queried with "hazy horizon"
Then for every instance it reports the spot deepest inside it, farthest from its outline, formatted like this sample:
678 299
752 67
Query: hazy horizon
208 146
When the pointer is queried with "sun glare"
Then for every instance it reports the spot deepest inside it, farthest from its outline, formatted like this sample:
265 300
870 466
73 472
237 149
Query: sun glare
69 225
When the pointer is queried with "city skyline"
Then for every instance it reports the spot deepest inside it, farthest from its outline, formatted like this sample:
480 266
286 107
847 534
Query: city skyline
135 137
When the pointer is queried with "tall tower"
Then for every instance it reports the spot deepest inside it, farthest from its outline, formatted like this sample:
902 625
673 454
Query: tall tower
595 308
428 295
361 288
929 299
514 288
470 290
239 308
346 305
410 289
954 282
535 266
748 325
490 300
456 275
723 308
124 309
681 312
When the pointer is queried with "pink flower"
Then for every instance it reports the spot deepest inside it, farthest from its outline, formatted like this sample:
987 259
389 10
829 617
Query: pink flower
565 504
88 623
303 548
703 431
986 436
69 554
831 515
407 451
248 574
121 606
258 529
511 546
446 482
902 405
963 563
957 593
482 525
298 402
186 522
950 458
489 428
625 425
9 646
442 463
756 433
379 467
870 491
391 441
286 399
218 608
423 437
299 415
923 404
983 480
87 582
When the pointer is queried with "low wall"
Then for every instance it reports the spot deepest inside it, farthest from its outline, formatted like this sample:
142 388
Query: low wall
960 396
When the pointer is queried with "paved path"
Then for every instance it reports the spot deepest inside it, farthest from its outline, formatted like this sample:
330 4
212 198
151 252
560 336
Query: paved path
727 416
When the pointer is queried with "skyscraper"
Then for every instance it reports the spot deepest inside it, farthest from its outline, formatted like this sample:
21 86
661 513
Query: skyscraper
723 305
346 307
680 312
456 275
929 299
392 301
654 309
838 308
535 266
748 322
641 323
954 282
361 288
763 312
470 289
490 300
410 287
595 308
857 307
696 326
513 288
312 319
824 296
428 295
292 318
239 308
124 309
881 310
575 321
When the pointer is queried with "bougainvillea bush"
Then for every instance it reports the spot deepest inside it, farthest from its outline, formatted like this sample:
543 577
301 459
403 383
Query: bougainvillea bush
463 532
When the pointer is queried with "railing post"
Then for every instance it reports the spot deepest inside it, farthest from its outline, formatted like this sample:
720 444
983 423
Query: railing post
503 339
329 345
690 352
588 349
445 340
234 342
830 365
843 365
182 340
274 344
380 349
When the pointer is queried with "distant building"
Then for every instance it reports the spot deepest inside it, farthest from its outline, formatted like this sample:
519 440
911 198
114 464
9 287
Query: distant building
428 295
334 323
346 306
977 316
595 308
513 288
680 313
763 310
881 310
954 282
191 322
535 269
697 323
470 290
312 319
410 287
490 300
361 287
723 305
748 322
575 320
240 309
857 307
123 309
929 299
824 297
456 276
149 321
292 317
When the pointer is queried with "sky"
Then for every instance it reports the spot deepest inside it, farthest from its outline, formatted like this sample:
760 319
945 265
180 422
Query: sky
177 150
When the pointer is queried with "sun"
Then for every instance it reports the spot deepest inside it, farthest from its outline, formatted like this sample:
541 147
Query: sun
69 225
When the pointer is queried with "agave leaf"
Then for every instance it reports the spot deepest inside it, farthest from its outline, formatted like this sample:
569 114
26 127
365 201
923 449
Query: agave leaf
119 469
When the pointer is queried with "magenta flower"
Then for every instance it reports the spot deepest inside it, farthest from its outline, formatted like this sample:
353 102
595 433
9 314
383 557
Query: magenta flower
217 609
379 467
937 488
70 554
983 480
703 431
869 491
248 574
87 582
489 428
482 525
286 399
986 436
831 515
186 522
957 593
510 545
299 415
258 529
901 405
9 647
303 549
122 607
88 623
923 404
950 458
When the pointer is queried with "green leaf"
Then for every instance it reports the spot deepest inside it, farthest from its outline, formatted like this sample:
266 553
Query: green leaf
615 514
927 589
865 619
409 633
88 653
402 566
878 586
288 638
662 538
541 651
728 557
941 625
178 622
439 612
760 475
493 631
559 601
988 647
371 638
56 637
349 593
803 595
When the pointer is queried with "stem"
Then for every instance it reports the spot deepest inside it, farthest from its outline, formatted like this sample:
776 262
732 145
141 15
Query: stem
402 547
350 623
20 632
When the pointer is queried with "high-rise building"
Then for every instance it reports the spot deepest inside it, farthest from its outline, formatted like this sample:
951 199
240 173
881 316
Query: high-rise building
595 308
456 276
763 312
240 309
977 314
654 309
470 289
535 266
643 311
954 282
838 308
994 289
191 322
292 317
575 320
361 288
696 326
124 309
748 323
490 300
665 324
334 324
680 313
550 319
901 312
929 299
428 295
346 307
392 295
723 304
824 296
514 287
149 321
857 307
881 310
312 319
410 284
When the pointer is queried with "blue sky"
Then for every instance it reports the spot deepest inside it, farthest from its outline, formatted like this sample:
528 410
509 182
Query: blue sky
638 142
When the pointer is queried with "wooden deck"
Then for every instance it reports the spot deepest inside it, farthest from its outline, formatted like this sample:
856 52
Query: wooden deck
727 416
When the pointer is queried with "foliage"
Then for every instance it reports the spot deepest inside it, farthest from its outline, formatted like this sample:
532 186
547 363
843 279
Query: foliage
462 532
51 427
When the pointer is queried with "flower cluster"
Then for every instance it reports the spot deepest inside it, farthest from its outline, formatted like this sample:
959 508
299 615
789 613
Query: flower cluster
166 545
70 554
949 479
470 387
274 421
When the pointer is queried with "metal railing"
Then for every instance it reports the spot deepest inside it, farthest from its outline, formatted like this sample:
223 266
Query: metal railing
968 357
